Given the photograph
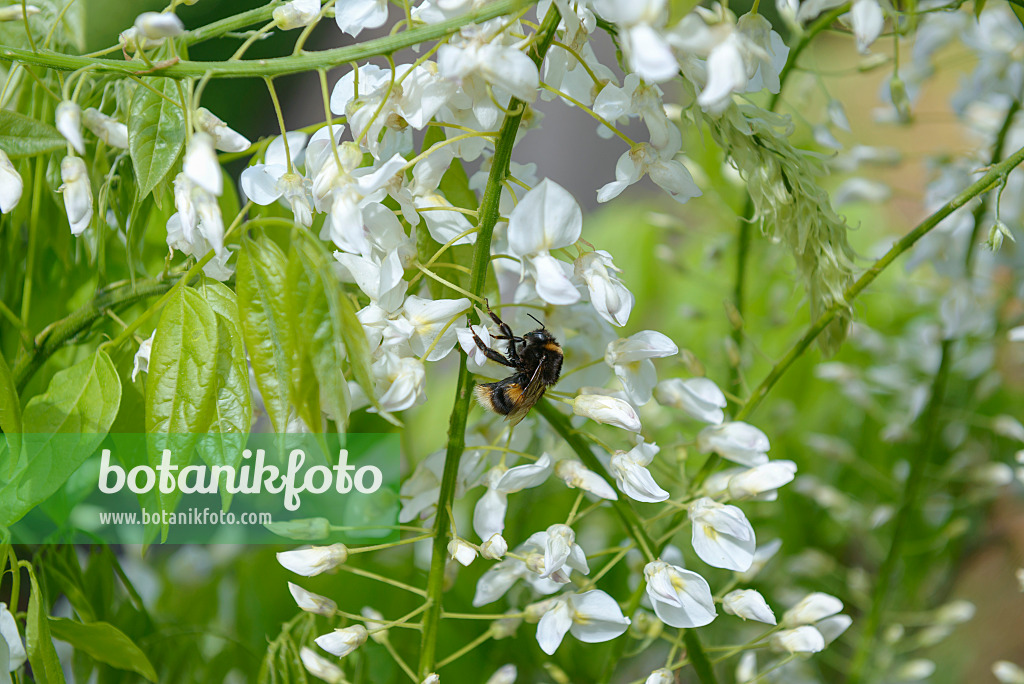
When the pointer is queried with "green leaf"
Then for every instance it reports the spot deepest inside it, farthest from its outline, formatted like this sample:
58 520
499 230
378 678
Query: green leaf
82 400
343 322
979 6
156 131
38 644
10 415
180 386
261 279
23 136
232 407
320 335
105 643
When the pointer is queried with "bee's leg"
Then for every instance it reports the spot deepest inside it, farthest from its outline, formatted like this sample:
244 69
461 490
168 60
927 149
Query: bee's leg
490 353
506 334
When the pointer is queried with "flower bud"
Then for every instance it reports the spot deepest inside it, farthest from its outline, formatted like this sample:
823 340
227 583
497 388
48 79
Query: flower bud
996 233
955 612
320 667
225 138
812 608
900 100
107 129
312 603
660 676
1007 673
17 13
804 639
506 674
341 642
156 25
77 193
314 560
914 670
494 548
607 410
201 165
375 624
11 185
461 551
432 678
505 627
748 605
69 122
296 14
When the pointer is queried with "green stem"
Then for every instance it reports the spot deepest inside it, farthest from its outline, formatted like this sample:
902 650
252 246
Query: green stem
275 66
489 215
57 334
983 184
930 429
235 22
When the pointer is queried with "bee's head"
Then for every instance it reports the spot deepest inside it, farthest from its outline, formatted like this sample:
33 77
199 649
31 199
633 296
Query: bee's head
541 336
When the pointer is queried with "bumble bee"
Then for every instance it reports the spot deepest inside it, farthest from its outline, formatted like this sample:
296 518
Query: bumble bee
537 360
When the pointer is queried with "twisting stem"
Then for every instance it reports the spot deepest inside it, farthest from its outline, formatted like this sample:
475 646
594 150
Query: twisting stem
919 461
983 184
489 215
275 66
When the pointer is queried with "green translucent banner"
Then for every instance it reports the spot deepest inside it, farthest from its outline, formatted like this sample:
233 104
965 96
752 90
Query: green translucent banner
199 489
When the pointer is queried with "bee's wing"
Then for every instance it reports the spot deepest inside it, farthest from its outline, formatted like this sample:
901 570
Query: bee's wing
531 393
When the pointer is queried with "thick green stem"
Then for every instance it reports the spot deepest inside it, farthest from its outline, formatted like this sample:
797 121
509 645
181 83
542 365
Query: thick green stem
275 66
922 458
489 214
983 184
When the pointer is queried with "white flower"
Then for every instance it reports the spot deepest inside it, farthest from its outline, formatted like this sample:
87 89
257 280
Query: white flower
865 15
355 15
761 481
320 667
832 627
502 66
461 551
400 382
77 193
341 642
312 603
476 357
506 674
69 122
546 218
749 605
632 475
630 358
155 25
17 12
576 475
141 363
560 549
314 560
645 159
609 297
11 185
1007 672
9 633
738 442
762 555
800 640
427 318
591 617
197 226
812 608
432 678
681 598
607 410
699 397
107 129
297 13
225 138
722 535
525 476
494 548
201 165
660 676
649 54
